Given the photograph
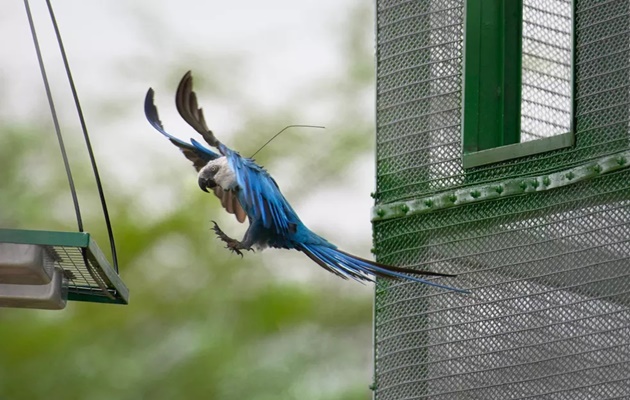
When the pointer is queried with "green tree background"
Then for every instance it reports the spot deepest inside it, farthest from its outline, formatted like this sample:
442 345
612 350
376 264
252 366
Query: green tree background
201 323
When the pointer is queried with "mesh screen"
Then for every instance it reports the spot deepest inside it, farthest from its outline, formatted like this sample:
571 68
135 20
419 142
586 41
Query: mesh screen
546 68
82 279
549 270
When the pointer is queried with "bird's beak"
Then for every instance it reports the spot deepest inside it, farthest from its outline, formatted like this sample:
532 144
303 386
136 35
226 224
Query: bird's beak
204 184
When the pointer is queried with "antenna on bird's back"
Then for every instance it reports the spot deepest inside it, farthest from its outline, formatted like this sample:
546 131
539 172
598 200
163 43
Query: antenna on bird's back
284 129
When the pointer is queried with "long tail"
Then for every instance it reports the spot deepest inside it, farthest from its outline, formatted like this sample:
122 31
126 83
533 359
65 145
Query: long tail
348 266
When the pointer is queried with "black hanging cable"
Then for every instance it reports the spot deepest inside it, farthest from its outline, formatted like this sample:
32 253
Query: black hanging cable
53 111
88 144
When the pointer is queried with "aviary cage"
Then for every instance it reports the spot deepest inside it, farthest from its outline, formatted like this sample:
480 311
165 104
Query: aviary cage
503 147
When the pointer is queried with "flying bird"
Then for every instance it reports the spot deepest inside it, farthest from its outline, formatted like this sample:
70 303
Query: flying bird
246 190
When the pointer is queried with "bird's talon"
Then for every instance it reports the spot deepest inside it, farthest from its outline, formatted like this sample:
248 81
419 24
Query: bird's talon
233 246
236 251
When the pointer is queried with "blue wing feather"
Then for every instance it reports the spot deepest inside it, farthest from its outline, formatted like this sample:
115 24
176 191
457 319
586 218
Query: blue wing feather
150 111
259 194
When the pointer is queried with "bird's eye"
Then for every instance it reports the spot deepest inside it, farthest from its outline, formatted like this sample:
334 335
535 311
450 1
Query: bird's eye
214 168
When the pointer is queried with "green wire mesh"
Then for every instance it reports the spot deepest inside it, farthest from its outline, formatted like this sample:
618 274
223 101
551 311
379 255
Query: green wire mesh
549 269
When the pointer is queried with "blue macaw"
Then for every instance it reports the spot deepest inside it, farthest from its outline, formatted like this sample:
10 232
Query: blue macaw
248 191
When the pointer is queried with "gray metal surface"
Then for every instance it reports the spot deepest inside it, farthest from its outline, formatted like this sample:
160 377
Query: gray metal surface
25 264
50 296
549 270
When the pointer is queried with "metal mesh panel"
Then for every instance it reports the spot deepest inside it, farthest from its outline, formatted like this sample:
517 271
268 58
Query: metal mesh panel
546 68
82 279
549 270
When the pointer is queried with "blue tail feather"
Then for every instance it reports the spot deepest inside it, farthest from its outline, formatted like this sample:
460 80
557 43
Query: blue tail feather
349 266
348 270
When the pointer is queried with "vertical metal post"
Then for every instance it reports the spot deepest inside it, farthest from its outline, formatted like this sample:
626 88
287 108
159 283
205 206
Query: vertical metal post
492 74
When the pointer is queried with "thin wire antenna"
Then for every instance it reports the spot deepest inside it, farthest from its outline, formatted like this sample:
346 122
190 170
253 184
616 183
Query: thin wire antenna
53 111
284 129
88 144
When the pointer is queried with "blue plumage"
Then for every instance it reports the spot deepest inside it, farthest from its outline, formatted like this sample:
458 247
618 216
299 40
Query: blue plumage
248 191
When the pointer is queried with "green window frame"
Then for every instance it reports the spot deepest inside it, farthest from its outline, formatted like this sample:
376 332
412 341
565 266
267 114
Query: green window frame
494 71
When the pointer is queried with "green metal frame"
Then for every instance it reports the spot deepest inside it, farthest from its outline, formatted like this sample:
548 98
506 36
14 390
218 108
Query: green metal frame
103 282
491 126
518 150
492 71
503 189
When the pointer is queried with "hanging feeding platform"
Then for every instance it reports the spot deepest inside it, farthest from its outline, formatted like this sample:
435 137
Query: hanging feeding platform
44 269
33 259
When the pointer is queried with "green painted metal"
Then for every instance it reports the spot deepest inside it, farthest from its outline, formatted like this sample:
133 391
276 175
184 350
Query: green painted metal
573 71
45 238
512 26
99 281
517 150
539 234
491 123
492 74
502 189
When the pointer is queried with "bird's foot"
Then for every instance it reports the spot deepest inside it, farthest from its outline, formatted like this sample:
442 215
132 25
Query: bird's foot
231 244
235 247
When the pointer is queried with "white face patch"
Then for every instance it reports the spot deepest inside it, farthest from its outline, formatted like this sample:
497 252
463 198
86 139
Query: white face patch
219 170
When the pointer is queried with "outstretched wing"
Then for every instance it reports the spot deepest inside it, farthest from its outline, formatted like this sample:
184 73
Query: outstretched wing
258 193
198 155
186 102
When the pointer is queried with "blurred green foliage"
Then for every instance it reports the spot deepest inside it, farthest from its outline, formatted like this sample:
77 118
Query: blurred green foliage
202 324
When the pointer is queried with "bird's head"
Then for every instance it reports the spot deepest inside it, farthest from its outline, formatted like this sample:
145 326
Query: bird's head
216 172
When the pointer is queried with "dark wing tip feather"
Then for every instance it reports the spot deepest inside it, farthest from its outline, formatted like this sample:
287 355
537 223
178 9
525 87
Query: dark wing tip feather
151 113
197 157
182 102
188 108
150 110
